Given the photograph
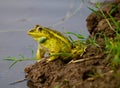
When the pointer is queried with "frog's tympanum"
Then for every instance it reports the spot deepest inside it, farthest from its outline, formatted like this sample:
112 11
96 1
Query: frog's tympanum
53 44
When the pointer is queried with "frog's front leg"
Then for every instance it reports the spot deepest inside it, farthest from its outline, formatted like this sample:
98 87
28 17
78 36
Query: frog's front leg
40 52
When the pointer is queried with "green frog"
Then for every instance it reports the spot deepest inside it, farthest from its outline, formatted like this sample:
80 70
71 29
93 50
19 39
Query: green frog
54 44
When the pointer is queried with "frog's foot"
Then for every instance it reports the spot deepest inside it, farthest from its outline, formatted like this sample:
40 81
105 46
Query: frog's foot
52 58
39 60
42 59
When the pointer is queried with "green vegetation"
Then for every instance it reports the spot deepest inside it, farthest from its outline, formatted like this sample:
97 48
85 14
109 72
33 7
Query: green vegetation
16 60
112 45
20 58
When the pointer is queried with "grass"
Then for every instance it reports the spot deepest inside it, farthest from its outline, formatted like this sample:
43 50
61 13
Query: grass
79 37
16 60
112 45
20 58
113 49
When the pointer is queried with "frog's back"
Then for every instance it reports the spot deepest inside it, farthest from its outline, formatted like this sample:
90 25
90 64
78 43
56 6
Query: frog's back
58 36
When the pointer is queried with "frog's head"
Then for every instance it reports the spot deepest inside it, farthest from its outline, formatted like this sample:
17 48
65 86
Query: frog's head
37 32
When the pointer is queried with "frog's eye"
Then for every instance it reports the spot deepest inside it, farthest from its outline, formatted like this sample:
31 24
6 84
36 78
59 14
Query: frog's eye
42 39
40 29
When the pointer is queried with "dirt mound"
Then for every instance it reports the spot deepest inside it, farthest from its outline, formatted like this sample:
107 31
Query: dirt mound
92 70
98 24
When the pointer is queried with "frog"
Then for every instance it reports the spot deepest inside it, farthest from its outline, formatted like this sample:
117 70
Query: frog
53 44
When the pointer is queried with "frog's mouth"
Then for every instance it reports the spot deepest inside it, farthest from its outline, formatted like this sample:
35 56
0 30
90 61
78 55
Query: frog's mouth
32 33
35 35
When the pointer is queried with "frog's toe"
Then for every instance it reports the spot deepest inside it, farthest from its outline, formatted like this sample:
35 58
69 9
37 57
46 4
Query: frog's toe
39 60
51 59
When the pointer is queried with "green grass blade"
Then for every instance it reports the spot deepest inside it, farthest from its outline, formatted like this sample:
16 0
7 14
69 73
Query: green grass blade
32 51
10 58
96 12
13 64
70 38
77 35
115 23
115 7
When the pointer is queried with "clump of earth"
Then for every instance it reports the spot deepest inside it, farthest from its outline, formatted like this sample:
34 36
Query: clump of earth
92 70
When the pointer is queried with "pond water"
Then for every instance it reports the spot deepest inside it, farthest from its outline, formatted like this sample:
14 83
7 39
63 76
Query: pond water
17 16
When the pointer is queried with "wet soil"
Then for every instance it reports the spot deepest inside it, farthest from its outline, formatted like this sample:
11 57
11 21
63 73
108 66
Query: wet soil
92 70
